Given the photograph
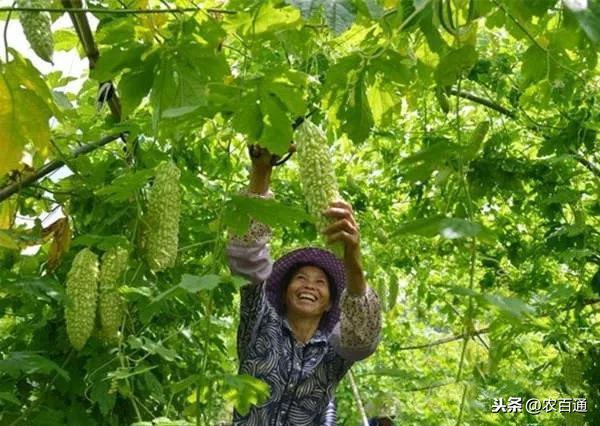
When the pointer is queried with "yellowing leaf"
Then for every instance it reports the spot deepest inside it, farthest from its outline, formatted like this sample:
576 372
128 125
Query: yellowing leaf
7 213
61 241
266 19
26 105
7 241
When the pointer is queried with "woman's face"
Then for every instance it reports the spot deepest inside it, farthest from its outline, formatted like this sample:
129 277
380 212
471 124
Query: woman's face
307 294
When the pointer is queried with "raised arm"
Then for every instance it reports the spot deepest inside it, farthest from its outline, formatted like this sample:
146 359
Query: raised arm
357 334
248 254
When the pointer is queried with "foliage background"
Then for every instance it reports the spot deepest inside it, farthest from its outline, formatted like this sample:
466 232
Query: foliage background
484 250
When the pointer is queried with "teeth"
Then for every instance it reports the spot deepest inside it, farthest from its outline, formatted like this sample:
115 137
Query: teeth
307 297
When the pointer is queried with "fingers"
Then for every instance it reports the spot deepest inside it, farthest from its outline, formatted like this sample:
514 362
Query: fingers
341 204
341 213
349 240
345 225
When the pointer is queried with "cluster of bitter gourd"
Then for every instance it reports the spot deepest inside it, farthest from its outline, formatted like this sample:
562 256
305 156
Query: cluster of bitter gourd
162 219
317 175
36 26
90 286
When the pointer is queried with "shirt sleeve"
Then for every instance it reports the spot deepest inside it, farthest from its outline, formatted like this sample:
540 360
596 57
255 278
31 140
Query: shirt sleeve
248 255
357 334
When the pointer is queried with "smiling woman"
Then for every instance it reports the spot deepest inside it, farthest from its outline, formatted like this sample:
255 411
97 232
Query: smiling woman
304 320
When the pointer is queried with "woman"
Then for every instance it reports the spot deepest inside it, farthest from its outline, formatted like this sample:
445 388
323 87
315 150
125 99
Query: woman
304 319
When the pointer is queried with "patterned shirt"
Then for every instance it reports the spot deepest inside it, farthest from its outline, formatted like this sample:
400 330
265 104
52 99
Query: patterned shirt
302 376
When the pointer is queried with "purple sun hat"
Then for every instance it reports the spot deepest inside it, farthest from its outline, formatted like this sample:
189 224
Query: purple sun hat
324 259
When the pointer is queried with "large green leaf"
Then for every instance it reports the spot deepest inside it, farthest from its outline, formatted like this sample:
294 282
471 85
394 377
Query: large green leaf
345 98
273 213
355 114
194 283
269 106
244 391
588 16
180 85
115 60
268 17
17 363
340 14
454 64
446 227
23 119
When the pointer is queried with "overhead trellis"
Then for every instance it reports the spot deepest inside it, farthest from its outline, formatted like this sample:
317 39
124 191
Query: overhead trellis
463 133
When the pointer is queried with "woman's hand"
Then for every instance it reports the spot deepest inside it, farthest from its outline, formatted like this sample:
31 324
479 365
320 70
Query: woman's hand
262 166
345 229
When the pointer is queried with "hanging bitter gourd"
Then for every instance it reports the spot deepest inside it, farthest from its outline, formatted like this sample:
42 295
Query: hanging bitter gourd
162 220
110 303
36 26
317 175
82 293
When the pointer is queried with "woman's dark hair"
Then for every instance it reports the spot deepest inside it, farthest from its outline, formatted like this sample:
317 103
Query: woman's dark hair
287 279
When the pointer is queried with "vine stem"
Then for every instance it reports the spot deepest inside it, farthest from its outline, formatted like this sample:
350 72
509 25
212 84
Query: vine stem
217 251
6 32
99 11
468 321
122 360
48 168
357 398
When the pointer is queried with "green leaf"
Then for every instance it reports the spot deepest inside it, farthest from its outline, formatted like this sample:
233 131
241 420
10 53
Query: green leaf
268 18
17 363
152 347
194 283
510 306
248 118
382 103
245 391
289 87
345 98
181 80
185 384
454 64
449 228
9 397
23 119
339 77
393 67
65 40
340 14
277 129
588 15
125 186
7 241
355 114
100 395
21 73
435 154
134 86
123 373
269 212
534 63
118 58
